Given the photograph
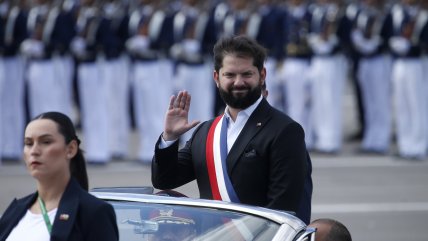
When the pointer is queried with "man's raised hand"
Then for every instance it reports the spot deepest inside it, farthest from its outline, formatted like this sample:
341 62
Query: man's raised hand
177 117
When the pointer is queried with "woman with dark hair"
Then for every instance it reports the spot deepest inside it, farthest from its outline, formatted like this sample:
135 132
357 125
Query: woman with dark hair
61 209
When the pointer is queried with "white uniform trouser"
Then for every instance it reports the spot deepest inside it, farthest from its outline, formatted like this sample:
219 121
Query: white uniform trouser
198 81
94 111
116 75
152 89
425 68
272 85
298 95
328 75
64 67
2 87
374 76
44 88
411 107
12 107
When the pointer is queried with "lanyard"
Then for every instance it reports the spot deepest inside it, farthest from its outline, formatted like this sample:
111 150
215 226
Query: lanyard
45 214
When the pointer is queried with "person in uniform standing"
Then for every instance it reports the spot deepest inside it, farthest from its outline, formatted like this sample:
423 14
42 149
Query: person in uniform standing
327 74
48 87
92 86
263 26
407 78
370 39
13 31
193 72
295 67
151 71
115 71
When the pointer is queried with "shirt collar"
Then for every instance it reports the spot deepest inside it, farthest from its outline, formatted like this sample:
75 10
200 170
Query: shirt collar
248 111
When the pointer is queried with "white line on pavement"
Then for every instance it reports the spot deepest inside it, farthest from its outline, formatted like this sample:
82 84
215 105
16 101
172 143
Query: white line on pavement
369 207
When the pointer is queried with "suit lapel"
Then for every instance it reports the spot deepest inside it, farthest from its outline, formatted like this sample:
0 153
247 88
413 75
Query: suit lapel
67 212
21 207
255 123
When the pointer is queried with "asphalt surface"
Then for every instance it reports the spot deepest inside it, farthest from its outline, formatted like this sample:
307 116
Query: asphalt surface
378 198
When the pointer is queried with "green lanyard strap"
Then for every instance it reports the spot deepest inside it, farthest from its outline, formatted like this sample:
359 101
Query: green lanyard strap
45 215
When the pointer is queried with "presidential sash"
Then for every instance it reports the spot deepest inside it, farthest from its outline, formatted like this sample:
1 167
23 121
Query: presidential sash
216 153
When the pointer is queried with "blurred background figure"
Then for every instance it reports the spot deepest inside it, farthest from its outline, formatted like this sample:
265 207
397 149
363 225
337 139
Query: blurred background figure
150 30
48 71
296 65
263 26
13 30
231 18
408 24
93 87
115 71
327 74
191 53
370 38
352 9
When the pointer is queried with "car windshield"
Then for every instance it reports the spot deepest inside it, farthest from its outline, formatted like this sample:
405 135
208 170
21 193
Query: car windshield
156 222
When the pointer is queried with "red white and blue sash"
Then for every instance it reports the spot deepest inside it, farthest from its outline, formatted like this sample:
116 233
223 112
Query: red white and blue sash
216 153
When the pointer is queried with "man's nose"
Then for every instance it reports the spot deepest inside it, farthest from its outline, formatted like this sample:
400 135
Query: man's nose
239 80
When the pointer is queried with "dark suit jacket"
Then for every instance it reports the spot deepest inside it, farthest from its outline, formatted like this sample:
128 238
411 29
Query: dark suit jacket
89 218
267 165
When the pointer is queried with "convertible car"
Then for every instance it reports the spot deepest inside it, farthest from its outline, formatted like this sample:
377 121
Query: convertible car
142 215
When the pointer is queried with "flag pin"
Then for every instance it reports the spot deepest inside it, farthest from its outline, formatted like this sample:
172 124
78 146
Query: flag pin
259 124
64 217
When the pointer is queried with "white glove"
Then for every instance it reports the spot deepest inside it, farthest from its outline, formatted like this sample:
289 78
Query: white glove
138 44
321 46
78 46
191 46
400 45
364 45
32 48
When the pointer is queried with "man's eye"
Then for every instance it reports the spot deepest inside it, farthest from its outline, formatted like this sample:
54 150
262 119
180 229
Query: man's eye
247 75
228 75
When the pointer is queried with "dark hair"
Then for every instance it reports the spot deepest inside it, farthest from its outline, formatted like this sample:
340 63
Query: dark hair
240 46
338 231
66 128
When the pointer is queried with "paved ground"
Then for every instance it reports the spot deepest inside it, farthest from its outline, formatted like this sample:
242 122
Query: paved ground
378 197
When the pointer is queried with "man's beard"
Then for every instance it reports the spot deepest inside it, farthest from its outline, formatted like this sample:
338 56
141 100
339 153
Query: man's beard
240 101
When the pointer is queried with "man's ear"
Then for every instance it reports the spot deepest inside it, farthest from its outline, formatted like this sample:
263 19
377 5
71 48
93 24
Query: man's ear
263 74
216 78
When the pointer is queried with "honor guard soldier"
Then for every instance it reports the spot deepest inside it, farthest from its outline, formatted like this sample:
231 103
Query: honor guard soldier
62 34
409 24
370 39
231 18
328 72
48 89
13 30
151 72
193 71
115 70
92 86
263 25
296 65
351 12
424 46
237 19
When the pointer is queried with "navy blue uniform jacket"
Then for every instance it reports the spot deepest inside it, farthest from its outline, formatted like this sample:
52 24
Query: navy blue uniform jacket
268 165
89 217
